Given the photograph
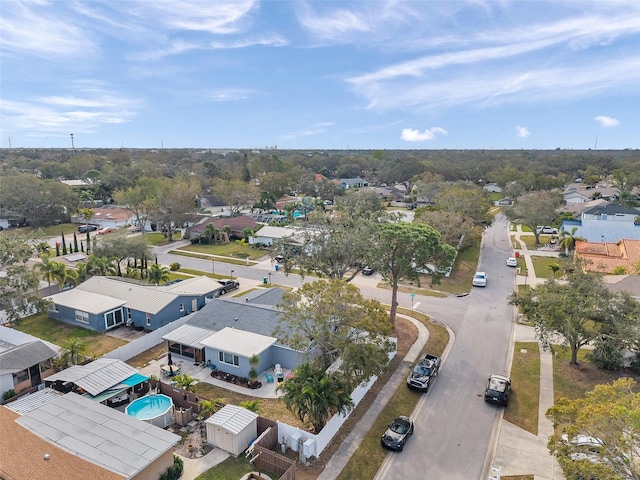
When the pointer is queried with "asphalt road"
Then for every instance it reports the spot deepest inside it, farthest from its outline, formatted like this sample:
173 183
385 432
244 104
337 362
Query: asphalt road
453 424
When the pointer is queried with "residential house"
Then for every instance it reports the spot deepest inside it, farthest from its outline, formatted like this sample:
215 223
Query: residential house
228 331
24 366
605 223
110 216
104 380
47 436
624 283
102 303
571 196
268 234
607 257
348 183
238 225
493 188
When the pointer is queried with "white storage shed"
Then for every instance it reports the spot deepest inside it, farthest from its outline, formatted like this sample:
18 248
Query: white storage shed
232 428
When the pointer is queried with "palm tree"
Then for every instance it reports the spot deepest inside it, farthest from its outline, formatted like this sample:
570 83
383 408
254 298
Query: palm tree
82 270
209 232
568 239
158 274
253 405
73 351
185 382
86 214
102 265
315 396
209 407
132 272
47 269
227 233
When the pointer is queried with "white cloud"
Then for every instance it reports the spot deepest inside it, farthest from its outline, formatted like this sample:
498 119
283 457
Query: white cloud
607 121
317 129
230 94
413 135
522 131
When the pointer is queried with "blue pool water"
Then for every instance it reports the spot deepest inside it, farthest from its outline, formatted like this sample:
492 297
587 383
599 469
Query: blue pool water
149 407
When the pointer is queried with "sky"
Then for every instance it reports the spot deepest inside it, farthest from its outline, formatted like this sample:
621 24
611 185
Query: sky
325 74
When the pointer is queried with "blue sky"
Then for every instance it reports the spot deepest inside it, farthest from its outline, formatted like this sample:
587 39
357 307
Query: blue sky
320 75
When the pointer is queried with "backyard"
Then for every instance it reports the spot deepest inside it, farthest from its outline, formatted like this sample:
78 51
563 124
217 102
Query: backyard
41 326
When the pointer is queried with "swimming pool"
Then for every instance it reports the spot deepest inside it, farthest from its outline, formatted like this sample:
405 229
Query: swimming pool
154 409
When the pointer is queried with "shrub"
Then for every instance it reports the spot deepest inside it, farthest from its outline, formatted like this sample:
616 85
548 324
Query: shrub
619 270
174 472
175 266
8 394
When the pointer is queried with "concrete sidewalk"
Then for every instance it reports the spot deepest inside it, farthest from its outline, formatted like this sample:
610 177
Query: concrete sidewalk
353 440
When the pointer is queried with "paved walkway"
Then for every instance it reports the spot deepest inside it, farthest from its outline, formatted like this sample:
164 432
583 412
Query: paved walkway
353 440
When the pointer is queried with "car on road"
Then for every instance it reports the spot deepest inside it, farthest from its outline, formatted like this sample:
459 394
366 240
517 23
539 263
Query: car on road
512 262
228 285
87 228
547 230
367 271
498 390
105 230
480 279
397 433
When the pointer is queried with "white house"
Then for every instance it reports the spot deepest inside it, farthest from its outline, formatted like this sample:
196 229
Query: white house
268 234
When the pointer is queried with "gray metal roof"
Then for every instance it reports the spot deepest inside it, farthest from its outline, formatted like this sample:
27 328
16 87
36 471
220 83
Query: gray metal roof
34 400
90 302
23 356
99 434
188 335
193 286
97 376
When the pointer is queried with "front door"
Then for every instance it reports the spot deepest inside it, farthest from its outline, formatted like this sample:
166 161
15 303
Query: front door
34 373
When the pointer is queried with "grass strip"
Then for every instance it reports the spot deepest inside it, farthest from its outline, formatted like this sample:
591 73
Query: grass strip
368 458
525 378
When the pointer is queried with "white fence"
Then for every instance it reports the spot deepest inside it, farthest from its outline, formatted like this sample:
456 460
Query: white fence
143 344
322 439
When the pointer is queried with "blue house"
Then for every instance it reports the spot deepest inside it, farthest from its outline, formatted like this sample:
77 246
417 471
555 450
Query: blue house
228 331
103 303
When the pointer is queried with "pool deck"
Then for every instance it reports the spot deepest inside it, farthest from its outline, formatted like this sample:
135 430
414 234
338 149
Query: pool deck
203 374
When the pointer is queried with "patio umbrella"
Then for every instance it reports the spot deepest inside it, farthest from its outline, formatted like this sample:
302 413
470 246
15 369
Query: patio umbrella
169 359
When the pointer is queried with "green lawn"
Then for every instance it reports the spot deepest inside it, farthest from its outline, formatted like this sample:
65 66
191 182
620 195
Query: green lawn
525 378
55 230
58 332
541 266
158 238
369 456
530 241
231 468
230 260
226 250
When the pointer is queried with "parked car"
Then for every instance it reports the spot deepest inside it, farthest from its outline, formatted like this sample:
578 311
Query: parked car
228 285
397 433
105 230
512 262
87 228
367 271
547 230
480 279
498 390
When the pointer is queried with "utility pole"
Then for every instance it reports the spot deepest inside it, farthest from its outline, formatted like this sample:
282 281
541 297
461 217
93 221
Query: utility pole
73 147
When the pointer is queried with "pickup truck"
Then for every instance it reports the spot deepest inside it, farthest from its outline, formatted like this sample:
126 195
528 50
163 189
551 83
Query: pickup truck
228 285
424 373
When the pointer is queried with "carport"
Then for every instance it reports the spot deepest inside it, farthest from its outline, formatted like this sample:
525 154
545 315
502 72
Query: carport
232 428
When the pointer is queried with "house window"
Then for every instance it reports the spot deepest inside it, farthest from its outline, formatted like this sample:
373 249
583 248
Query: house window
148 319
20 377
228 358
53 308
46 365
113 318
182 307
128 314
82 317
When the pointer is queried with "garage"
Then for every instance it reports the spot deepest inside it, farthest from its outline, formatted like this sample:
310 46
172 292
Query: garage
232 428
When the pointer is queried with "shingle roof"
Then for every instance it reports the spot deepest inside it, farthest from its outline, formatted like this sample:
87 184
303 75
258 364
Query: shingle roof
611 209
22 456
23 356
99 434
97 376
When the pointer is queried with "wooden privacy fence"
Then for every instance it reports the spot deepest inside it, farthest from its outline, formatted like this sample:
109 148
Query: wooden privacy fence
270 461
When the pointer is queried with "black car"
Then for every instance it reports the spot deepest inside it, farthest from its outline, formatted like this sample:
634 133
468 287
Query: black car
87 228
397 433
498 390
367 271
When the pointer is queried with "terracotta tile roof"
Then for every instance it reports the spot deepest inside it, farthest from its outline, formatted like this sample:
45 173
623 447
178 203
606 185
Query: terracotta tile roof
22 456
606 257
